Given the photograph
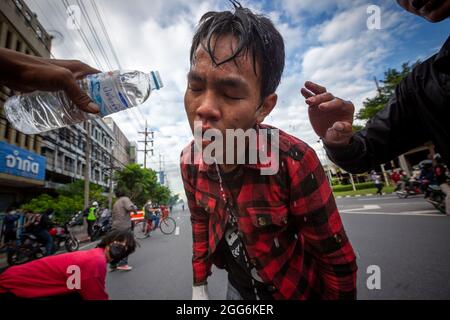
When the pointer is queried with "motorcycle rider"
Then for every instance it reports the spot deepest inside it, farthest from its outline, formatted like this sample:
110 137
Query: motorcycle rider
426 178
38 225
440 172
396 179
91 218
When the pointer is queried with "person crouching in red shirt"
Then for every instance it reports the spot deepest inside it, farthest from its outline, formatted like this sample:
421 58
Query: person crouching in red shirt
77 275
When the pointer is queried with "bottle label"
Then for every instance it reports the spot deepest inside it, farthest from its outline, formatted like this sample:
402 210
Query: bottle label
104 91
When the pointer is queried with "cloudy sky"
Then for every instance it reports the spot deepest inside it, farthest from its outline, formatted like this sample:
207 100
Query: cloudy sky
327 42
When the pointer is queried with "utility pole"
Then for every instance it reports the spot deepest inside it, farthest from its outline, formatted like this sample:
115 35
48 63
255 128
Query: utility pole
162 170
377 85
146 133
87 169
111 173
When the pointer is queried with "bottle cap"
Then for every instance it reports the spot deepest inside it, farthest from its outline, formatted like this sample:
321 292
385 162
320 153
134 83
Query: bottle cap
156 81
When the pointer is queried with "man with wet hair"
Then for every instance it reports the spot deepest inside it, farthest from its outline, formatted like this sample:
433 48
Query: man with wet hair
279 236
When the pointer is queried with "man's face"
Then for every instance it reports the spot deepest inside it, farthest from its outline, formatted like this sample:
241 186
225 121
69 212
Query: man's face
432 10
226 96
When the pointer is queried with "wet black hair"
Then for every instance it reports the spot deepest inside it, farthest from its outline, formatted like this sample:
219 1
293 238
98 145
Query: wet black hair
125 236
119 193
256 35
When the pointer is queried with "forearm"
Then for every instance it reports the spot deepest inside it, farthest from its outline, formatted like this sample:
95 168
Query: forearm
13 64
353 158
339 281
201 264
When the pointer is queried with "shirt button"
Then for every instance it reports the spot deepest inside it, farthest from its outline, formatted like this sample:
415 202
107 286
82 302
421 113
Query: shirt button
338 238
253 262
262 221
285 220
305 219
271 288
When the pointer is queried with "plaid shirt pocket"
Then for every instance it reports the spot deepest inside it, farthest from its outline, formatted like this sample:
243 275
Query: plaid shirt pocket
262 217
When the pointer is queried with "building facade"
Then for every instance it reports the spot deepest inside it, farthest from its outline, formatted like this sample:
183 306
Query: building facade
122 148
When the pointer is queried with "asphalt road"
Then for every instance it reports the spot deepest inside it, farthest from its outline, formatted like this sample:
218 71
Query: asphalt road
406 238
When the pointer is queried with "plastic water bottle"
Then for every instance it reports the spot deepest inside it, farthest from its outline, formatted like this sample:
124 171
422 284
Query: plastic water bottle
113 91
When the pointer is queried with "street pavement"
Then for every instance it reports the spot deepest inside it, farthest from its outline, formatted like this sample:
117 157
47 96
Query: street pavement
406 238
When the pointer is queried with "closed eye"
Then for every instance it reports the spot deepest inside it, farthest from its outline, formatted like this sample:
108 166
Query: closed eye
232 98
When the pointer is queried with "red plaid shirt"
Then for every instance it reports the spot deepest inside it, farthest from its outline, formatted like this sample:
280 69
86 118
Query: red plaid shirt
288 222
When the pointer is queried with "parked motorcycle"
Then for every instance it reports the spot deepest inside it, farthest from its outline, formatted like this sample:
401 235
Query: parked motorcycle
62 235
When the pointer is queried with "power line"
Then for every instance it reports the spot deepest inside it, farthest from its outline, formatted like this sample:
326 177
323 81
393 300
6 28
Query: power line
94 33
102 25
133 117
53 6
83 37
111 46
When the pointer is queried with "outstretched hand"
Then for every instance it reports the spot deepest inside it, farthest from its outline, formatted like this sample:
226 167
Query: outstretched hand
330 117
28 73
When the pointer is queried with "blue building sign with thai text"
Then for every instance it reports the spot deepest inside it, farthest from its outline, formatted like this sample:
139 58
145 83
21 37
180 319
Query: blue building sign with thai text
21 163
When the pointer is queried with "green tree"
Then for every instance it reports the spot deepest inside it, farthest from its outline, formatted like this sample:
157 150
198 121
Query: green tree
138 183
70 200
76 189
173 200
392 78
161 195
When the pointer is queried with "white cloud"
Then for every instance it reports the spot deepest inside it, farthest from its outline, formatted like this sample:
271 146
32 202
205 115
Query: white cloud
336 50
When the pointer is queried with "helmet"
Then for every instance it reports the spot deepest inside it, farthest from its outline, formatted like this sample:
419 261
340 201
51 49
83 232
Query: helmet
437 157
95 204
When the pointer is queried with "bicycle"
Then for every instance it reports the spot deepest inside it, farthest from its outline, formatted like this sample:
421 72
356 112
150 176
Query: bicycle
167 225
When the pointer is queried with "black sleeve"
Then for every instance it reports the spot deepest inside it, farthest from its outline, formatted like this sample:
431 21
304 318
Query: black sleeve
390 133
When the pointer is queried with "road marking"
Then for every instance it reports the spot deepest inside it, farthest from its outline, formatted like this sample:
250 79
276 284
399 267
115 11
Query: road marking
366 207
424 213
177 231
374 198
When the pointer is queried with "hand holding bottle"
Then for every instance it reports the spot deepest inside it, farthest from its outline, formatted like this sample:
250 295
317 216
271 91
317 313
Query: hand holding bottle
27 73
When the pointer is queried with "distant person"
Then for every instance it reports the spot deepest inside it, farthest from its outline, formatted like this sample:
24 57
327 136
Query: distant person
38 225
396 179
92 213
376 178
52 278
121 220
426 177
417 113
9 226
440 172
